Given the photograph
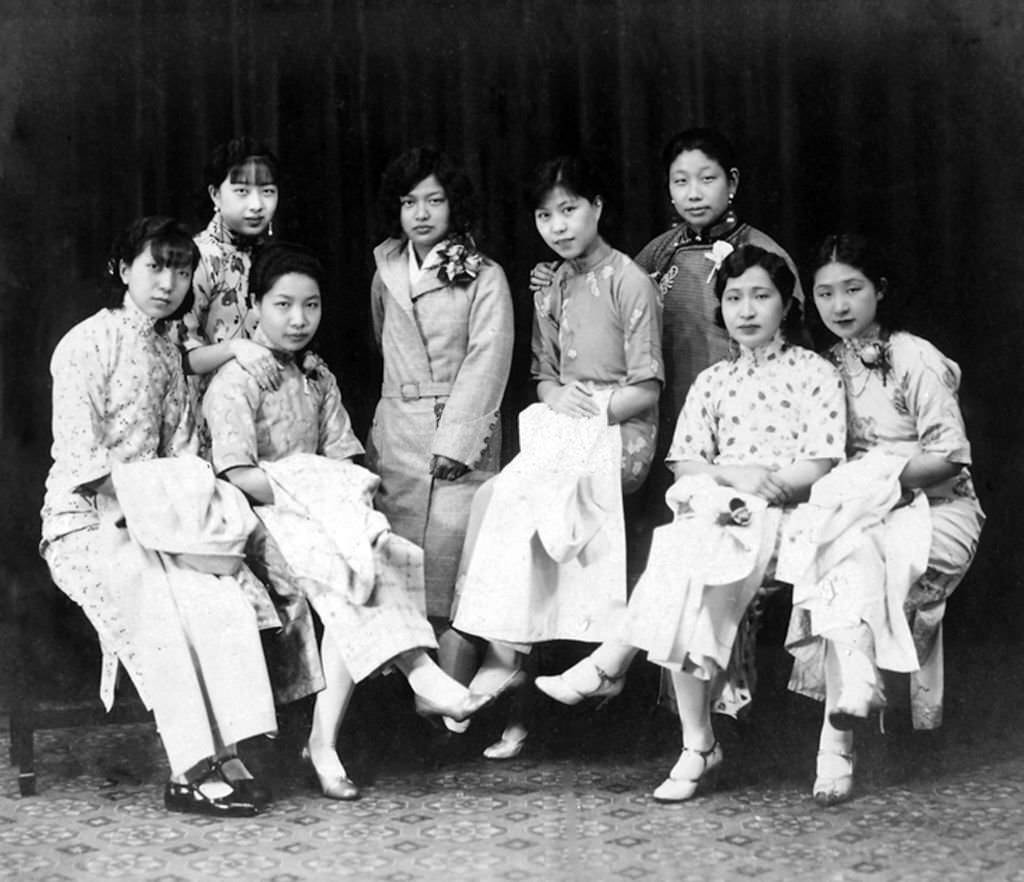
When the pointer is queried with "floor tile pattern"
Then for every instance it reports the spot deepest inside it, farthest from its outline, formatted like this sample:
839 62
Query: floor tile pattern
575 806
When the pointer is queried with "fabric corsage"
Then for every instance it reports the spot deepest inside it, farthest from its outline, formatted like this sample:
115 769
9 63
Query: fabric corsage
312 367
460 262
875 355
719 252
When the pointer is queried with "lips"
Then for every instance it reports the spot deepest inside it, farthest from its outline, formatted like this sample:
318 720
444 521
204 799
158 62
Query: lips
422 231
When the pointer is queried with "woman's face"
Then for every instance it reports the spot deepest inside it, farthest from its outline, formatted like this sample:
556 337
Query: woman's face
157 284
568 223
425 214
700 188
847 300
290 312
247 199
752 307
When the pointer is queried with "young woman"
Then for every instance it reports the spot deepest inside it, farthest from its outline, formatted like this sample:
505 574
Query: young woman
758 428
290 449
910 520
703 179
242 181
442 316
122 430
546 556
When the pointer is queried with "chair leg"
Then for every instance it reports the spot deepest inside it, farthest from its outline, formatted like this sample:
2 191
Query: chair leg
23 755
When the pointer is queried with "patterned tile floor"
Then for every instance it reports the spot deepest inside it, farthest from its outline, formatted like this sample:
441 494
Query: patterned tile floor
574 806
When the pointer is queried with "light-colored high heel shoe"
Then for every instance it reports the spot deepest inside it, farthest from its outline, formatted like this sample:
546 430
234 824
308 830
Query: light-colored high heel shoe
332 786
583 680
834 781
695 771
458 711
506 748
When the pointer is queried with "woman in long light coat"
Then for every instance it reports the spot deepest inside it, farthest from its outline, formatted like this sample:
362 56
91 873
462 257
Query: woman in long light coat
442 316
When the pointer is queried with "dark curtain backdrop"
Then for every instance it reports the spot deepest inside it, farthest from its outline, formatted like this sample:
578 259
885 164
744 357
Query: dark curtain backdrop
902 118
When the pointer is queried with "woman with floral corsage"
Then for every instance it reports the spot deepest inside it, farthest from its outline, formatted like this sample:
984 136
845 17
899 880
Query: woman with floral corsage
545 556
442 317
290 450
758 428
886 538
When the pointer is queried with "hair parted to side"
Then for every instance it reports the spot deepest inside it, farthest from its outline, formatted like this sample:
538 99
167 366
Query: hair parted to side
234 155
866 256
276 259
405 171
748 256
576 174
709 141
170 243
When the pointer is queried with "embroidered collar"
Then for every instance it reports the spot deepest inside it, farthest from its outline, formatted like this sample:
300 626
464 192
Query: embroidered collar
282 355
760 355
722 228
308 362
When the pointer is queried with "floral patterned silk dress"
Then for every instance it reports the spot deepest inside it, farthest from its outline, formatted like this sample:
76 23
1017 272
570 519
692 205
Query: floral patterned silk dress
902 397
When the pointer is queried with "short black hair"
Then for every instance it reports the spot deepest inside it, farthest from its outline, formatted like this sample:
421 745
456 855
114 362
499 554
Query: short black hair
748 256
276 259
577 174
866 256
170 243
709 141
236 153
402 175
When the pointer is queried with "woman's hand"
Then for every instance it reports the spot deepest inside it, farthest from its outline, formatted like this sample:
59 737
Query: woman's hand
542 275
258 362
445 469
573 399
757 481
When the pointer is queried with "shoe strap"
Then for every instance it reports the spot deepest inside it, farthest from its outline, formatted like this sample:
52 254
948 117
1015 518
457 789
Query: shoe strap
704 755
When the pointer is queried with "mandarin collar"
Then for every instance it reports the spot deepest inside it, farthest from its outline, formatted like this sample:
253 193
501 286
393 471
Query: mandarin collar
721 229
217 231
591 262
137 320
282 355
760 355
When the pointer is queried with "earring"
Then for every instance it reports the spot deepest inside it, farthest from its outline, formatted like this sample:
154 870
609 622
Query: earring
270 229
220 221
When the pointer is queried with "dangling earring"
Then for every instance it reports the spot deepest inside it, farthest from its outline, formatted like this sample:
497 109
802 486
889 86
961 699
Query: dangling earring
220 222
270 228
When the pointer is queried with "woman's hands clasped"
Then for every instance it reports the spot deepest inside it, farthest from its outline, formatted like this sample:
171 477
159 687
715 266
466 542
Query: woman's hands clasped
445 469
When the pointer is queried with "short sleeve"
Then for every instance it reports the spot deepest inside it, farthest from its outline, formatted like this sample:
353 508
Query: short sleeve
696 434
823 412
229 407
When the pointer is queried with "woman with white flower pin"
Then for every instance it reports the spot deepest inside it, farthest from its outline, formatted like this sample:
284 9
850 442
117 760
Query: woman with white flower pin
758 428
442 316
545 557
892 532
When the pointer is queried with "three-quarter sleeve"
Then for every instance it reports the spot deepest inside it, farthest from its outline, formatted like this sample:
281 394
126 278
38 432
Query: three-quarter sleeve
640 313
929 386
79 379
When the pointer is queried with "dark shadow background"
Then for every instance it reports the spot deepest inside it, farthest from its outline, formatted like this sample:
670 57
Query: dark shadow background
904 118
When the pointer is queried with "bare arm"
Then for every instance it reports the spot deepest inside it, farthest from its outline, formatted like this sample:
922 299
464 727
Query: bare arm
778 486
253 482
925 469
630 401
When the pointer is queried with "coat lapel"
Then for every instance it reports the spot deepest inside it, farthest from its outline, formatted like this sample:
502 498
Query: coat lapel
394 272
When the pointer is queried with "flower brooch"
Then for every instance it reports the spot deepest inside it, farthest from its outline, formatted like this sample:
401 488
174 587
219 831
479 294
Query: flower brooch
719 252
459 263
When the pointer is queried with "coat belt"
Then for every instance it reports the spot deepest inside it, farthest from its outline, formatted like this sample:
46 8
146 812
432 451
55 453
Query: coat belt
413 391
